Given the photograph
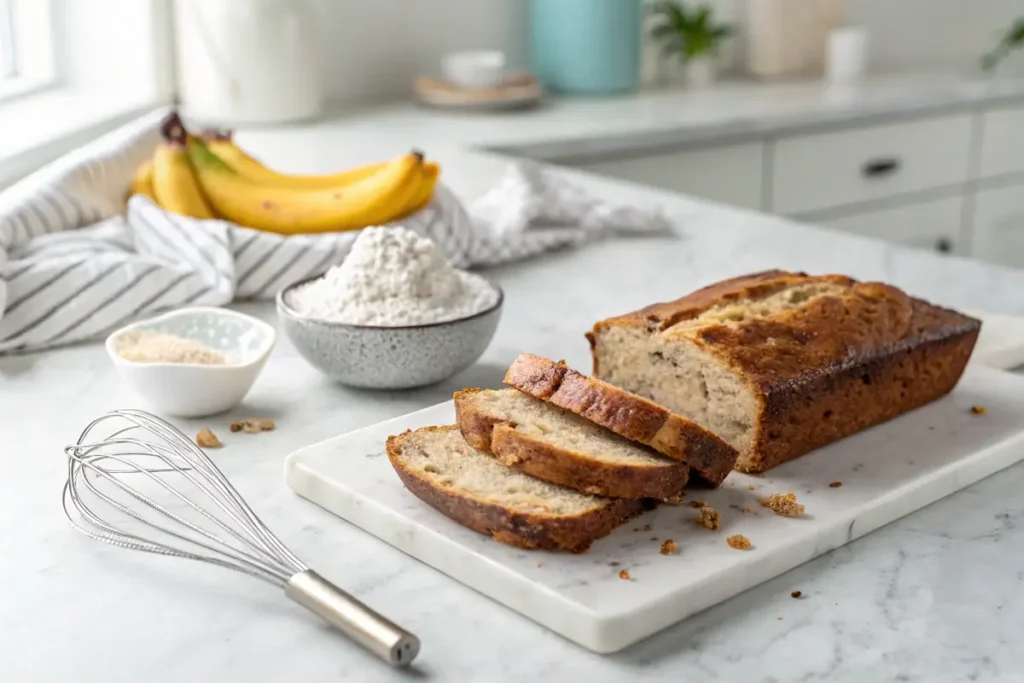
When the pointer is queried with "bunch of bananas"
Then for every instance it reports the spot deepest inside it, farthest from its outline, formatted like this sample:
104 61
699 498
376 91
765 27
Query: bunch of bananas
209 176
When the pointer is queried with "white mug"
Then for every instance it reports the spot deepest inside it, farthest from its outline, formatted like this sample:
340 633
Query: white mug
847 54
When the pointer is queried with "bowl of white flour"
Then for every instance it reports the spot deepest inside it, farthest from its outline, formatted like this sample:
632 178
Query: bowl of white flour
393 315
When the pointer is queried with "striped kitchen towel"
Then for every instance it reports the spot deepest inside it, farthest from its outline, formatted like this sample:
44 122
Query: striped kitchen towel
76 261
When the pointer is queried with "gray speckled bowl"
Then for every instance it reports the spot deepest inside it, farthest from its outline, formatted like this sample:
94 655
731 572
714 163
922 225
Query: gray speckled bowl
389 357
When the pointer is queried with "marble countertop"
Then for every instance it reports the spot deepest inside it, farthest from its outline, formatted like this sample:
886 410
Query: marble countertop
578 128
934 597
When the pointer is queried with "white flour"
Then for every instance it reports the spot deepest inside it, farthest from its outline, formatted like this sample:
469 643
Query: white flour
393 277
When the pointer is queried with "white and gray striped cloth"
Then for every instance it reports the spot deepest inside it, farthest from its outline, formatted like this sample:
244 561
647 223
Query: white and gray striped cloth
75 261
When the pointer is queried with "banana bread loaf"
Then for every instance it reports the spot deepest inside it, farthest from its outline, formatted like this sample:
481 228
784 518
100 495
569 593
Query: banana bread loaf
780 363
555 445
626 414
477 491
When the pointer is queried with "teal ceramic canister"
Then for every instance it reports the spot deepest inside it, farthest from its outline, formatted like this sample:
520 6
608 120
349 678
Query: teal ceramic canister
587 46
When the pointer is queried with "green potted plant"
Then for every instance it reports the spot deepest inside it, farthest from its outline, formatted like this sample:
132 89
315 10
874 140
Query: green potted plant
1012 40
689 37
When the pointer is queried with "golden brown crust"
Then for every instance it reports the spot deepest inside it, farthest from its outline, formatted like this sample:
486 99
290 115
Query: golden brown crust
801 418
570 468
530 531
626 414
824 370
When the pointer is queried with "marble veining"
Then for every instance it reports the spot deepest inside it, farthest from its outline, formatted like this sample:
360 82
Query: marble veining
76 610
881 476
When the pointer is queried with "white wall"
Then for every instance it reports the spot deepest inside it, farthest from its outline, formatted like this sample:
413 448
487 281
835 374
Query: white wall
375 48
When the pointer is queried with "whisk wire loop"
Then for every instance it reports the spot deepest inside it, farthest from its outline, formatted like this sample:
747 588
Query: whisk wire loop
200 517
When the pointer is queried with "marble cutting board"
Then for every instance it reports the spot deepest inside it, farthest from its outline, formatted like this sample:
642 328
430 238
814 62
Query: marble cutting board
886 472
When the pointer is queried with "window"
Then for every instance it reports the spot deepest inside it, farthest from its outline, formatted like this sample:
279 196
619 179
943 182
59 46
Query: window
27 46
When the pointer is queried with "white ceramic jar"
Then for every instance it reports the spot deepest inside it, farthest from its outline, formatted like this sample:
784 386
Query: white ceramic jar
788 38
248 61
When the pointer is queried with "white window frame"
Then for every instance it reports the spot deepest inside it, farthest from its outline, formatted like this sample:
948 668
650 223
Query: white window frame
33 46
111 61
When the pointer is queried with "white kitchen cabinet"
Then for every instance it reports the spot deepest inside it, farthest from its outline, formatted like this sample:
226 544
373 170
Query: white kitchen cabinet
855 165
1002 142
731 174
935 225
998 225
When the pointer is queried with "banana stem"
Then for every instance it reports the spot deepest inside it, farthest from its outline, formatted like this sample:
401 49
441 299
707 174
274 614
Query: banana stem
173 129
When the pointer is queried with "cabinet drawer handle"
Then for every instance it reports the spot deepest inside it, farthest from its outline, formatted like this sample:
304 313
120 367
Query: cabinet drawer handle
943 245
880 168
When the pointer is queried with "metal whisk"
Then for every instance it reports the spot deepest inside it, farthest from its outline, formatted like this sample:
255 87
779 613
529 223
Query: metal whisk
142 460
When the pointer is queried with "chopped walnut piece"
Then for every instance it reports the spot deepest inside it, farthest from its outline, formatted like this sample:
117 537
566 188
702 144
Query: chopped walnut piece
739 542
624 575
207 439
783 504
978 410
709 518
835 484
253 425
697 503
669 547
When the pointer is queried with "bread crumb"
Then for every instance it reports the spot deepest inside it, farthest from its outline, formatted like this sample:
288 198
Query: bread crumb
978 410
779 618
539 565
835 484
669 547
751 488
613 564
795 594
697 503
253 425
624 575
207 439
783 504
739 542
709 518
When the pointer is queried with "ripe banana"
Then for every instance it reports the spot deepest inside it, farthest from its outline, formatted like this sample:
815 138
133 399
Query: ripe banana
248 167
372 201
175 185
431 172
142 181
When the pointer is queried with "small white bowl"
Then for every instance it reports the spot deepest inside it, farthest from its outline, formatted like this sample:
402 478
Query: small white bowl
480 69
193 389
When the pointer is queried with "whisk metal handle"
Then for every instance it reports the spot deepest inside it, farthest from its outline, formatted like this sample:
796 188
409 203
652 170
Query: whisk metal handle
357 621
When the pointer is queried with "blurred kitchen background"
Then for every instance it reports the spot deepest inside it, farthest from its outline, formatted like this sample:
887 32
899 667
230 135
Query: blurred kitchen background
933 159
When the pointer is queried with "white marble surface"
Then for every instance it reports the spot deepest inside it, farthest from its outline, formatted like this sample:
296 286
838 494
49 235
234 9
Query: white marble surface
884 474
576 128
934 597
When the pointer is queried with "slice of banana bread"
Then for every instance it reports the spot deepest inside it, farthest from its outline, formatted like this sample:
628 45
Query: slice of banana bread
550 443
476 490
780 363
634 417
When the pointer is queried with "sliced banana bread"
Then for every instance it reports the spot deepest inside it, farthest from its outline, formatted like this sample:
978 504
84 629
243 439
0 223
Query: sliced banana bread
476 490
634 417
550 443
779 363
